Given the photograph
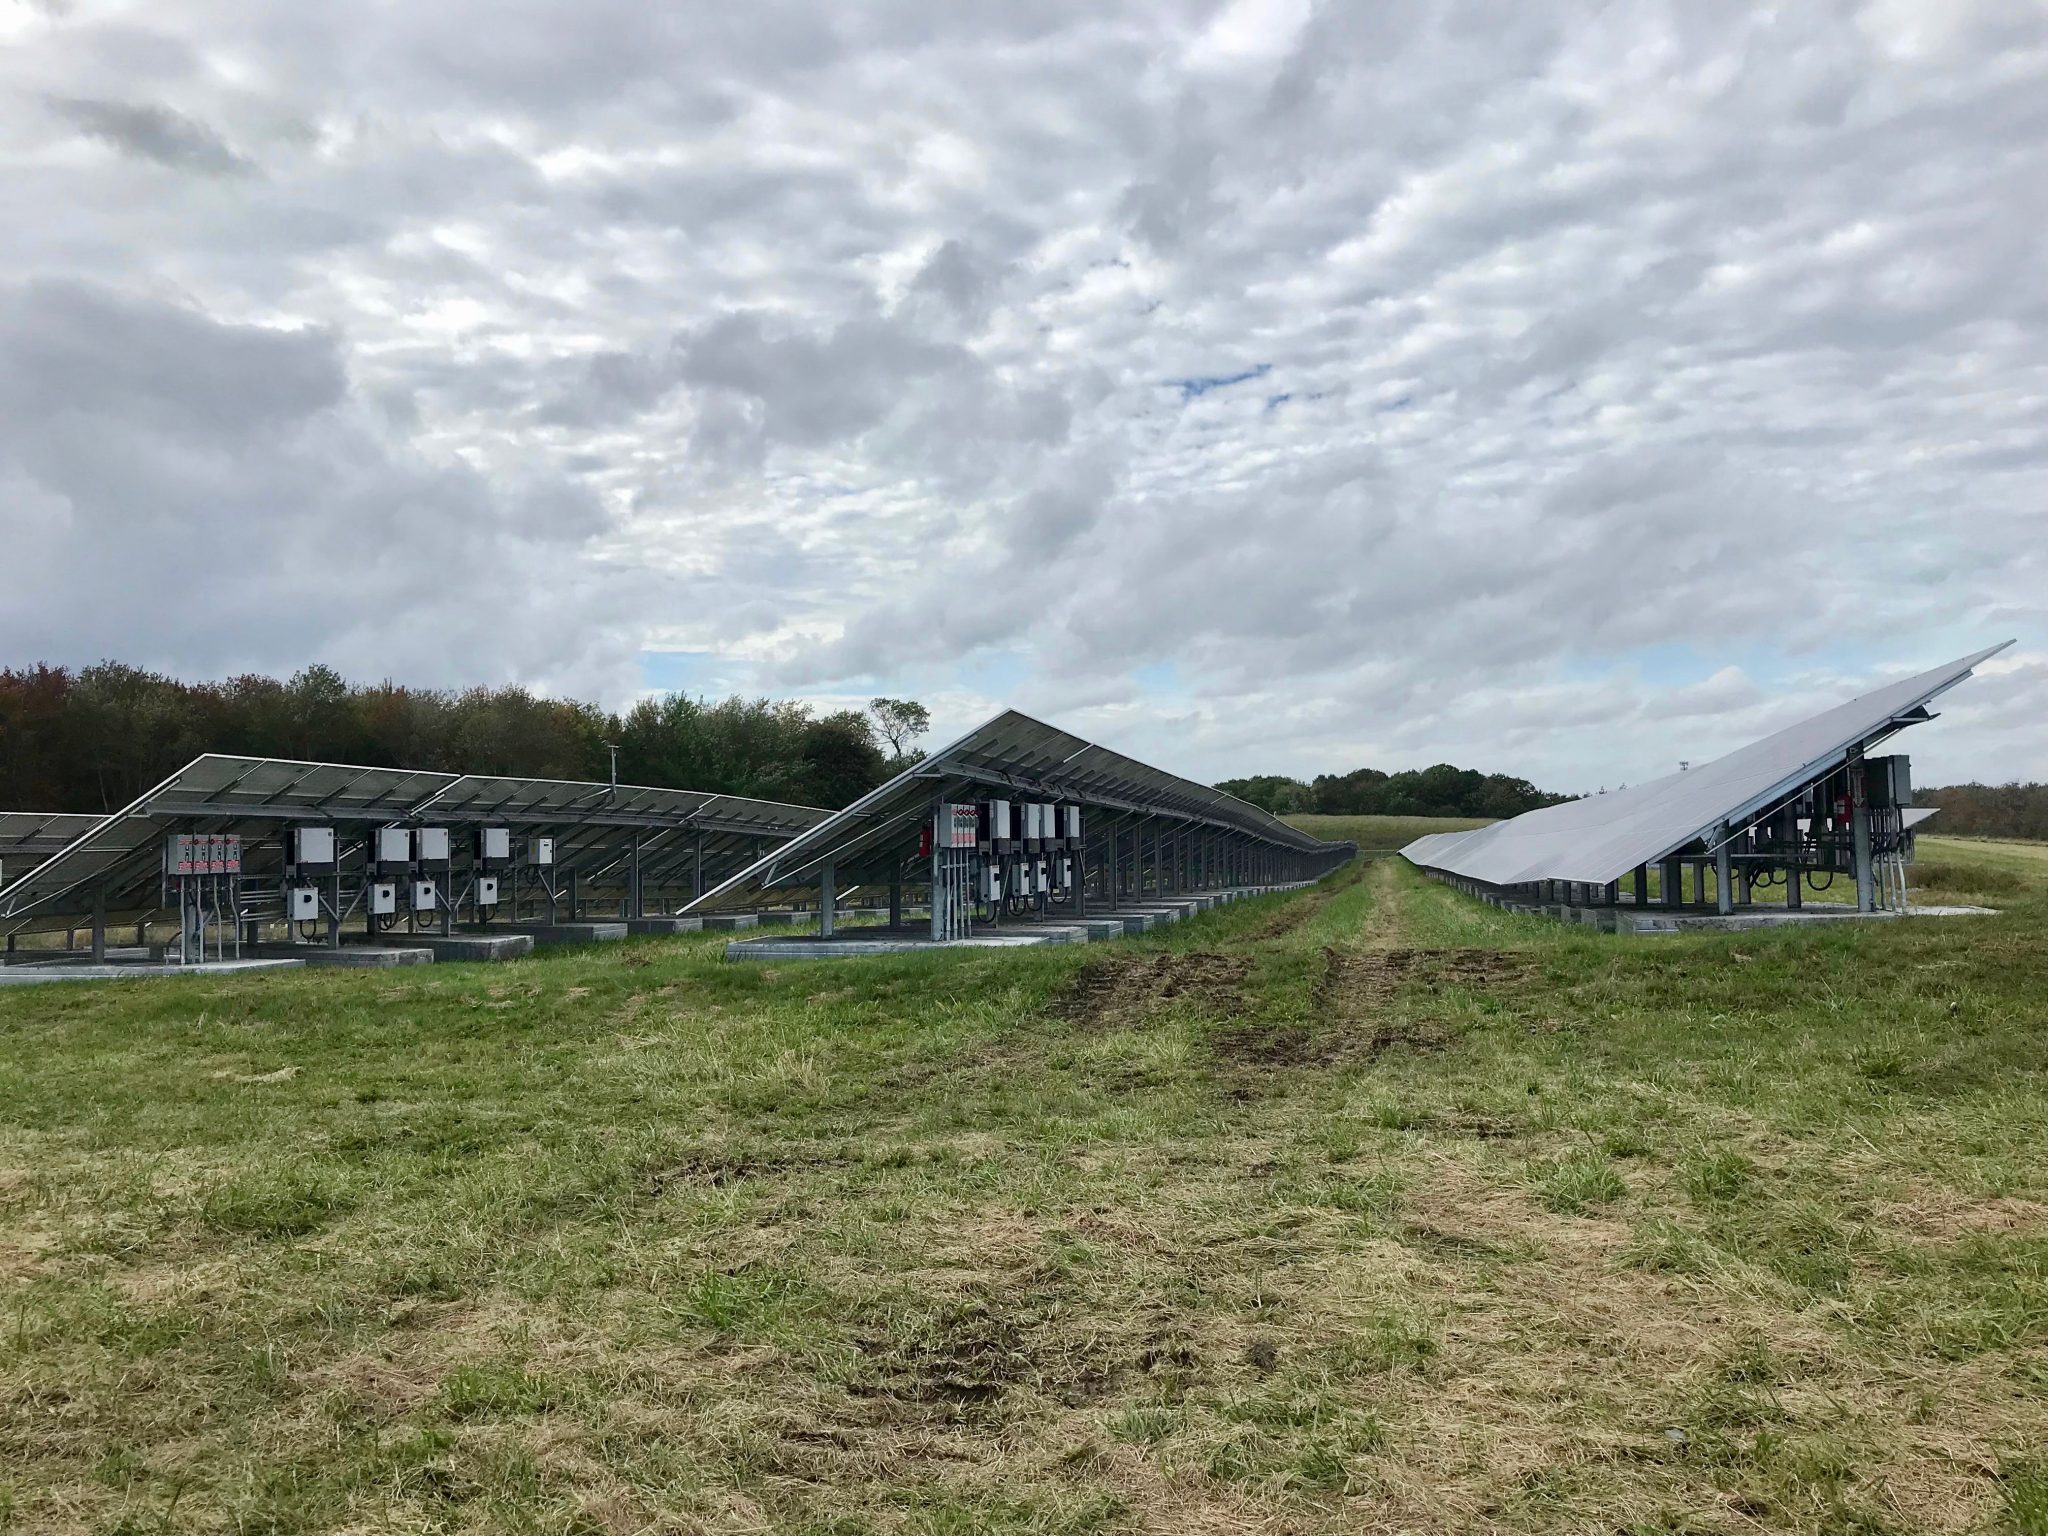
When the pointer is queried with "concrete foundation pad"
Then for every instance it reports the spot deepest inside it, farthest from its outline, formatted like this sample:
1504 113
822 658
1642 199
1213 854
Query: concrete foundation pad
491 944
872 942
368 957
644 926
1046 933
1101 928
787 919
727 922
575 933
36 975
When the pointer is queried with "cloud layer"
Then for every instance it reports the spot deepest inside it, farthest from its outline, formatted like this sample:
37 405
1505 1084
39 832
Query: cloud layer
1258 386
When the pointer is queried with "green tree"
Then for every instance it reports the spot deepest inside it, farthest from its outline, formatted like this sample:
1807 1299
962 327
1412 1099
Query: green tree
901 722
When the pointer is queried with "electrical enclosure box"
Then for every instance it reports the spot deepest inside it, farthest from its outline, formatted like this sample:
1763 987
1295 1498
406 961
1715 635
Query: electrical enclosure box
433 845
423 895
991 884
1888 781
312 845
393 845
382 898
540 850
995 825
302 903
959 826
494 844
487 890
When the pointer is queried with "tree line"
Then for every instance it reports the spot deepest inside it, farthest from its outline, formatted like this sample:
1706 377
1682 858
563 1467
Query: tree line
95 738
1988 810
1439 791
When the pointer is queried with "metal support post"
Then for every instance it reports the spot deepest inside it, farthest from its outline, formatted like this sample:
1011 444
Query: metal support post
1642 884
99 926
1724 893
828 897
896 901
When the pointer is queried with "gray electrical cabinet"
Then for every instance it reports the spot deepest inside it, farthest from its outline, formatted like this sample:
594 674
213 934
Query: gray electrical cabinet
1888 781
382 898
433 845
494 844
393 845
312 845
540 850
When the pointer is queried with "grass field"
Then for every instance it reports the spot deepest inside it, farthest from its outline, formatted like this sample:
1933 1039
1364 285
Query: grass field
1368 1209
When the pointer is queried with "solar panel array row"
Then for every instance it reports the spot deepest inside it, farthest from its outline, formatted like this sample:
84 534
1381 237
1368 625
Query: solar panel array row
1601 838
1012 753
599 829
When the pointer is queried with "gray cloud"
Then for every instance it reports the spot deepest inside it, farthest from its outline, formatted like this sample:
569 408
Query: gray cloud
1600 371
149 132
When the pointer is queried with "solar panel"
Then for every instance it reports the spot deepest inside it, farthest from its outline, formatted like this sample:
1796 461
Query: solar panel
1599 839
119 857
1012 751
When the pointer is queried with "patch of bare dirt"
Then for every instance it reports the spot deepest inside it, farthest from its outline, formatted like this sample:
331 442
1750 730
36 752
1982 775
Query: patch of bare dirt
1354 1012
1932 1215
716 1167
1110 993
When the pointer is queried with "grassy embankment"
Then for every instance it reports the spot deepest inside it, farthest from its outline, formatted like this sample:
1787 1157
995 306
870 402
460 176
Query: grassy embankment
1371 1208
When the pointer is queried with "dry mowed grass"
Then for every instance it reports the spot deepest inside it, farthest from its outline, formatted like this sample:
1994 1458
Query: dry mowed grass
1372 1210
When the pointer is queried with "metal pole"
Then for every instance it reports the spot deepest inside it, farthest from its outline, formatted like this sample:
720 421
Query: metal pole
827 902
1859 831
99 925
1724 895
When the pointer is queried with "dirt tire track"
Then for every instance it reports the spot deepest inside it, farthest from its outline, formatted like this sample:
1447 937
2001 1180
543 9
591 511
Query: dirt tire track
1109 993
1355 1012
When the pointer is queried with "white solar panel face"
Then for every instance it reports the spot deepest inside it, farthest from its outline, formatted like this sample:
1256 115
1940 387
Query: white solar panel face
1603 837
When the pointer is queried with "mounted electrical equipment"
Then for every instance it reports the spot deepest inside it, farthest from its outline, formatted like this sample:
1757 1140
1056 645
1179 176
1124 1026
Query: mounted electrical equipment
312 846
540 851
494 845
392 845
432 845
380 898
487 890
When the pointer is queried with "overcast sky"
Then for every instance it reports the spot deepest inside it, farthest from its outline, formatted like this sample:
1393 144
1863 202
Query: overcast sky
1265 386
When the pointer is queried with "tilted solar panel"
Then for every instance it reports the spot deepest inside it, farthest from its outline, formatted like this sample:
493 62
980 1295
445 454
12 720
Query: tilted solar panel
1602 837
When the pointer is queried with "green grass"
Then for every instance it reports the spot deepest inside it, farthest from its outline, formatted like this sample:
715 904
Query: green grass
1370 1208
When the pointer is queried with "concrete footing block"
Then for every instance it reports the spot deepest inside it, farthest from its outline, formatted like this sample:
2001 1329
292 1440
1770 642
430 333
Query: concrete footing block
499 944
576 933
39 975
727 922
644 926
381 956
